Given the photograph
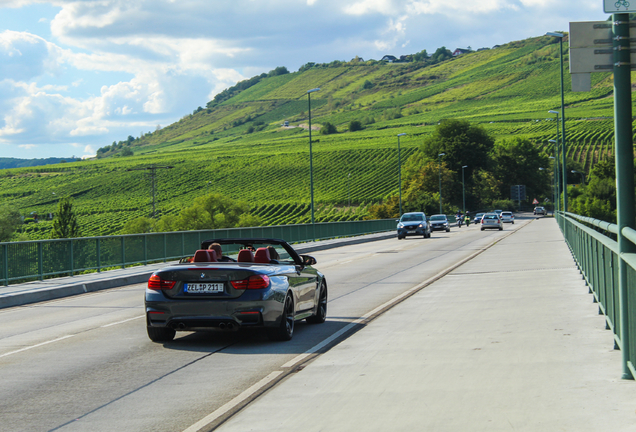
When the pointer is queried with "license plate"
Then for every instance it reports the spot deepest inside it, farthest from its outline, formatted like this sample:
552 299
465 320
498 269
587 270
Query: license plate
411 232
203 288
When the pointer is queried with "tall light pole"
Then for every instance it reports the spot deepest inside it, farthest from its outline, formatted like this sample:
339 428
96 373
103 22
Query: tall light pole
464 189
311 162
582 176
349 188
565 181
555 178
439 163
400 172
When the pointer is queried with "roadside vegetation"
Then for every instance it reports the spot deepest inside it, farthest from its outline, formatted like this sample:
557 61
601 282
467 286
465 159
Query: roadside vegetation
250 146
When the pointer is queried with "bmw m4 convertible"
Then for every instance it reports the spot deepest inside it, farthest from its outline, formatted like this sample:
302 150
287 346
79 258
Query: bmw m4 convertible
236 283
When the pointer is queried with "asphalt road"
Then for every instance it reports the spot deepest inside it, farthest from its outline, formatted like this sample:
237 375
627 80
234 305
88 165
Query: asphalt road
86 363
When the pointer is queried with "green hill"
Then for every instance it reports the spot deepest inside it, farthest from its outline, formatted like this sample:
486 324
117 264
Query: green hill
237 145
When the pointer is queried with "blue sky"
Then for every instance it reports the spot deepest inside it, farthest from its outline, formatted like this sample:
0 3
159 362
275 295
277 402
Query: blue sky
77 75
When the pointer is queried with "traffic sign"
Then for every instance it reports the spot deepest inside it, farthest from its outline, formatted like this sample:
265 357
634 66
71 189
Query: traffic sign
535 201
620 6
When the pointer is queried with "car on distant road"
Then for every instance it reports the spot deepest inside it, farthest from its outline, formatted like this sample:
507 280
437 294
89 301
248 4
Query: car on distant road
498 212
478 217
540 211
257 283
439 222
491 221
507 217
413 224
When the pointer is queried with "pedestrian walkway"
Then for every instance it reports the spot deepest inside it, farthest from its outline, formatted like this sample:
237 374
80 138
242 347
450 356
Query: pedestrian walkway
49 289
509 341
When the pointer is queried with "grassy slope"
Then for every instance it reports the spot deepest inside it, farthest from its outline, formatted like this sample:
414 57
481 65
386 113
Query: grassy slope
508 90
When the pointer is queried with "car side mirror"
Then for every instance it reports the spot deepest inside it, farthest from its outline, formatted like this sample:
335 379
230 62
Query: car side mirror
308 260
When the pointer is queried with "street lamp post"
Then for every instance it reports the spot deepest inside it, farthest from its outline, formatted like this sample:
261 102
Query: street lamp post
311 162
439 163
555 178
400 172
565 182
582 176
349 188
464 190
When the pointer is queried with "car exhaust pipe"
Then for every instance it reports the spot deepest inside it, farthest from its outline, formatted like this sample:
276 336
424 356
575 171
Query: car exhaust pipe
230 326
173 326
222 326
181 326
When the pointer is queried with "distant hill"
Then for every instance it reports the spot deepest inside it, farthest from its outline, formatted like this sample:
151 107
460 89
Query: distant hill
23 163
239 145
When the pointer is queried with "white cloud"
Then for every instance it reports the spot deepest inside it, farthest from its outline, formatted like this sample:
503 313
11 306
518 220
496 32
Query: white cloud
110 68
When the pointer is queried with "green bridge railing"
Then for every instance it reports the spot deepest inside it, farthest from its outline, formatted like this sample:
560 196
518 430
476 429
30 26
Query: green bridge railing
598 258
40 259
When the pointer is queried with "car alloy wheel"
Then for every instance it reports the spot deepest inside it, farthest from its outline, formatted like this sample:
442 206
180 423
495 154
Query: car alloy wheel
321 310
285 329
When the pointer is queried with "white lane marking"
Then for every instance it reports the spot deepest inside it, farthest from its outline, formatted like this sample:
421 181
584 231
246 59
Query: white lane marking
35 346
234 402
124 321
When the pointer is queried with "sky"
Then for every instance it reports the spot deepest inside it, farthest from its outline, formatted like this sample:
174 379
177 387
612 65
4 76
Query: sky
77 75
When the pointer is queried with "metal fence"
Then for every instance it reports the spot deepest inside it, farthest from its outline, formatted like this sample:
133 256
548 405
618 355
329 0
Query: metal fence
40 259
598 258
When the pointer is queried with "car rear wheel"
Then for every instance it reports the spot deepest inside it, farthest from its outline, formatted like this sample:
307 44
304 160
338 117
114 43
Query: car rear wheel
285 329
160 334
321 311
500 228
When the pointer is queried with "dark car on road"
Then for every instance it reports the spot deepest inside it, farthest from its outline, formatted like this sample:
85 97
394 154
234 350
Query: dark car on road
413 224
439 222
256 283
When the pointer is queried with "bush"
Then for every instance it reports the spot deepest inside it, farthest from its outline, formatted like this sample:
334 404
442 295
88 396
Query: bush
355 125
328 129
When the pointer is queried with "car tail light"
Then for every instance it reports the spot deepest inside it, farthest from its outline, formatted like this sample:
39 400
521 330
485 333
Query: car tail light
482 220
156 283
252 282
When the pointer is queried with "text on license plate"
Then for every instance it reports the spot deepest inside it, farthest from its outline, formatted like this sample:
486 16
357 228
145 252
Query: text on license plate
203 288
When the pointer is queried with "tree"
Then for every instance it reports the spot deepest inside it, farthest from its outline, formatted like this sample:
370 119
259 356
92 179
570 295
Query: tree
137 226
10 219
517 162
328 129
355 125
65 223
462 144
441 54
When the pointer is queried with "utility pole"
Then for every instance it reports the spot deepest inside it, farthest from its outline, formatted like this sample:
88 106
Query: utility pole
152 170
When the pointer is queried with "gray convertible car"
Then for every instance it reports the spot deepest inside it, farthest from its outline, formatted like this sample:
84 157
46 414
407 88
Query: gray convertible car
244 283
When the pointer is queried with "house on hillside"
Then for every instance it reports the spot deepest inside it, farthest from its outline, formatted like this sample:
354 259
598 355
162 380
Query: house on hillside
389 58
460 51
483 49
406 58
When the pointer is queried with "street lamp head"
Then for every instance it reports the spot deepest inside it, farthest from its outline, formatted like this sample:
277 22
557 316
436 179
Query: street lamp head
553 112
465 166
550 157
553 34
441 154
574 171
552 141
401 134
541 169
313 90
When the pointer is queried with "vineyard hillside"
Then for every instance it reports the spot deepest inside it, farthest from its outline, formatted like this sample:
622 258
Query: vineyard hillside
253 143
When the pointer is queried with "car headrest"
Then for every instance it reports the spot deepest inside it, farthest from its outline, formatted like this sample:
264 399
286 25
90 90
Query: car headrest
262 256
204 255
245 255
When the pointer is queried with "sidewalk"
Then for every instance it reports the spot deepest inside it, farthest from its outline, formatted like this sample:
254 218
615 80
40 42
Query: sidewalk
510 341
49 289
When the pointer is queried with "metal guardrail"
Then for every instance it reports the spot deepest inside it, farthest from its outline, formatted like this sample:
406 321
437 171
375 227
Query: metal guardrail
598 259
40 259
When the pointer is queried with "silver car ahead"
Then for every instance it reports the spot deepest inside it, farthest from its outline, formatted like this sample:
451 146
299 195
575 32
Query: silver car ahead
439 222
507 217
491 220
